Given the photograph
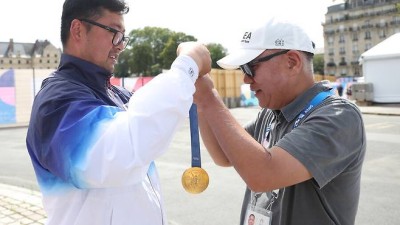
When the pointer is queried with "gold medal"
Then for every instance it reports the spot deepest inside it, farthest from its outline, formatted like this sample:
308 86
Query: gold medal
195 180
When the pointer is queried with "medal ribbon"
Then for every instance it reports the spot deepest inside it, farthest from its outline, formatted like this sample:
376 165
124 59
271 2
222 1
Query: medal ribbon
314 102
194 136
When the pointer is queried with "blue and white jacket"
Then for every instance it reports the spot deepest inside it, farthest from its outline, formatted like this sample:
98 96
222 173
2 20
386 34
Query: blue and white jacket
93 157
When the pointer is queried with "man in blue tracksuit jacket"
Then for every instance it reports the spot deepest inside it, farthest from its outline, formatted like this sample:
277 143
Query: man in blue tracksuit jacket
93 145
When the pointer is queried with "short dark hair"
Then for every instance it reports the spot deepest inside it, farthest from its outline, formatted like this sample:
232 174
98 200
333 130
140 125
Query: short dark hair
74 9
309 55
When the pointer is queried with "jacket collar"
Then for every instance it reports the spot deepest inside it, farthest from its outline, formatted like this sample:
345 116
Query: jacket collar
84 71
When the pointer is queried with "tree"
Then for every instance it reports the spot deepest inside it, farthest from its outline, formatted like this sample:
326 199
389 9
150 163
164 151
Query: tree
122 67
141 59
217 51
318 63
168 54
152 49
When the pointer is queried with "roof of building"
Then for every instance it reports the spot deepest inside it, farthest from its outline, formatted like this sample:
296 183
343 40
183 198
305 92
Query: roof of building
19 49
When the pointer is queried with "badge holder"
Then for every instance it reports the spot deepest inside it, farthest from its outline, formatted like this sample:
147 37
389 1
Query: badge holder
195 180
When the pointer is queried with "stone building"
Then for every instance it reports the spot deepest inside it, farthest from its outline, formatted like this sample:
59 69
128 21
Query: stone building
38 55
353 27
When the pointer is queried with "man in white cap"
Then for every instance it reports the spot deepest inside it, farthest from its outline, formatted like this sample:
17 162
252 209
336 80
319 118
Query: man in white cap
301 157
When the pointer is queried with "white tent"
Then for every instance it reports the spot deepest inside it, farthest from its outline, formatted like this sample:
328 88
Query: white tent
381 67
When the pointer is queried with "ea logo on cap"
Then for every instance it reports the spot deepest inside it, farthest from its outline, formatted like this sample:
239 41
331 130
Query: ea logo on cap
246 37
280 42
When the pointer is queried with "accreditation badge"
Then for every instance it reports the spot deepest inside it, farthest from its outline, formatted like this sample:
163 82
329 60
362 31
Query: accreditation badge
259 209
257 216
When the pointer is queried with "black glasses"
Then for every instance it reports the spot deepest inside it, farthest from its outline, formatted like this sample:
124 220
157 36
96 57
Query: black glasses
248 67
118 38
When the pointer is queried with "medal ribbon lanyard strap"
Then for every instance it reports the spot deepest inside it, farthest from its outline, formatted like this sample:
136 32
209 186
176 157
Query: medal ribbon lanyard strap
314 102
194 136
195 179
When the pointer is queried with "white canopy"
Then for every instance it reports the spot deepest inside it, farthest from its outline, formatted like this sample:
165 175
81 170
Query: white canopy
389 48
381 68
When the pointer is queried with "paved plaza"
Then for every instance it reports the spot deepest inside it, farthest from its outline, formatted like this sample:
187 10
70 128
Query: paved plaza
23 205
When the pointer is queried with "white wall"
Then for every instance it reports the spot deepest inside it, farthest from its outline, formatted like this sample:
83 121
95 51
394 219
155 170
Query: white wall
384 74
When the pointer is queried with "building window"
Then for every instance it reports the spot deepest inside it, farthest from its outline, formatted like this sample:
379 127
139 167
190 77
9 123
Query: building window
355 49
382 33
355 27
331 52
343 72
1 61
48 61
342 51
355 36
10 61
331 63
367 35
341 38
368 2
382 23
342 62
55 55
355 59
367 24
356 71
19 61
330 40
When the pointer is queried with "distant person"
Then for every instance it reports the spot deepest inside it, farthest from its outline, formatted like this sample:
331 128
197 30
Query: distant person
340 90
93 145
349 90
306 146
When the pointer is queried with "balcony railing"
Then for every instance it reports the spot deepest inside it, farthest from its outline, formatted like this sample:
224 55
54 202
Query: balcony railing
330 64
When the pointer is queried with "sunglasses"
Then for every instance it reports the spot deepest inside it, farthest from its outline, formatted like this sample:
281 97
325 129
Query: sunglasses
248 67
118 37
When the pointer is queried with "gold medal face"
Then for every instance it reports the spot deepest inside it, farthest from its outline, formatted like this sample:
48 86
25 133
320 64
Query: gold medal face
195 180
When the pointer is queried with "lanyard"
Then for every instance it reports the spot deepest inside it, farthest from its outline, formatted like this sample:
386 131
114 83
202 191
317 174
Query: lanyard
194 136
314 102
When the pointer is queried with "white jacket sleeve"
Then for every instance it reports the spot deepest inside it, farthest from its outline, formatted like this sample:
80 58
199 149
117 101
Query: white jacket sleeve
136 137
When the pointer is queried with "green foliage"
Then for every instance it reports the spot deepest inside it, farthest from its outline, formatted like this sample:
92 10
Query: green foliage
168 54
122 68
152 49
141 59
217 52
318 63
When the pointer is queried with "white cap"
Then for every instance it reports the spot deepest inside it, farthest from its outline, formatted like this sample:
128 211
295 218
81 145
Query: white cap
274 34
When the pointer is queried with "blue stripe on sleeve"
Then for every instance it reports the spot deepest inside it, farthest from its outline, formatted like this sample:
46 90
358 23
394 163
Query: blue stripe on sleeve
77 133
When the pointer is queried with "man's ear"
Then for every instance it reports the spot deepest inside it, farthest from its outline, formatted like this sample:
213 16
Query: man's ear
294 61
76 29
